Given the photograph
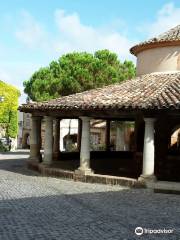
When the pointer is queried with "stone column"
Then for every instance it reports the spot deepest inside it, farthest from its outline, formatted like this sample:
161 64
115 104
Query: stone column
79 134
148 152
85 148
139 133
107 136
48 141
120 141
56 151
35 139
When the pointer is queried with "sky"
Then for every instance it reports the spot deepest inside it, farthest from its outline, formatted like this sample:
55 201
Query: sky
35 32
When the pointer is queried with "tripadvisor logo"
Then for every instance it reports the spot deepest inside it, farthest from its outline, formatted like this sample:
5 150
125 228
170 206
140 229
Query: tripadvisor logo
139 231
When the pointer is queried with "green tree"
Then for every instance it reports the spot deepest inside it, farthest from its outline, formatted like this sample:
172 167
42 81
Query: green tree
8 109
77 72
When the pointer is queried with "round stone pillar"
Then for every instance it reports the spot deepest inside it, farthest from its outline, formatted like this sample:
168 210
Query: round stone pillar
79 134
35 139
120 141
48 141
148 152
107 135
56 151
85 147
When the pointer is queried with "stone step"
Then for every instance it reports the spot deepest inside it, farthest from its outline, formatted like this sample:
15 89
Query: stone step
167 187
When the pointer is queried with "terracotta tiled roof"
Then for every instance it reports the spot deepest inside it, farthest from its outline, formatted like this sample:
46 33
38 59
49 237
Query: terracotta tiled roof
171 37
150 91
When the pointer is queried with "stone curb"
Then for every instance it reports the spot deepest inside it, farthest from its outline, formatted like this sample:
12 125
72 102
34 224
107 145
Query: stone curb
46 170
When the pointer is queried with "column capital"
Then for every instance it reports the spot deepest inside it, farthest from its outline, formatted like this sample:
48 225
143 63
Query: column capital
85 118
48 118
36 117
119 124
149 120
57 118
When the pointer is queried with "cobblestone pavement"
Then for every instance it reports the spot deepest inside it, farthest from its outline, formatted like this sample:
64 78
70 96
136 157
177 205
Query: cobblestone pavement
34 207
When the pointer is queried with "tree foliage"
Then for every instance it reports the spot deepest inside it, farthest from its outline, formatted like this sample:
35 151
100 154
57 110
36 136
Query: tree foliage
77 72
8 109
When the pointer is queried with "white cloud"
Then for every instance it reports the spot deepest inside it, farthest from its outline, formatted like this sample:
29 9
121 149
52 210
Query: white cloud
73 35
70 35
30 32
167 17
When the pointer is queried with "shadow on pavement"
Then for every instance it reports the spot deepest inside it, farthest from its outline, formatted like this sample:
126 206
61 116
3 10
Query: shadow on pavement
18 152
90 216
16 161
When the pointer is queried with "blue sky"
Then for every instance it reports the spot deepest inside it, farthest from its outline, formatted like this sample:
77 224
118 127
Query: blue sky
33 33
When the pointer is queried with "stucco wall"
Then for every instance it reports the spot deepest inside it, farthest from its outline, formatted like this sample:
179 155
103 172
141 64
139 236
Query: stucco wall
158 60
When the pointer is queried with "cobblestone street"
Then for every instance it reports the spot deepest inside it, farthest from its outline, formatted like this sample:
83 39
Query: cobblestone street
43 208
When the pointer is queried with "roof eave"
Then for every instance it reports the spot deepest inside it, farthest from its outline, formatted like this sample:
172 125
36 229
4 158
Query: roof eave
144 46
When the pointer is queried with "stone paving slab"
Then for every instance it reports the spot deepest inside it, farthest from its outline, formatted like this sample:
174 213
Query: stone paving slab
35 207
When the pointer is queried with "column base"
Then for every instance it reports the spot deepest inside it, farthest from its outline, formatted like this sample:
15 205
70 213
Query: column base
37 159
147 178
46 164
56 156
47 159
84 171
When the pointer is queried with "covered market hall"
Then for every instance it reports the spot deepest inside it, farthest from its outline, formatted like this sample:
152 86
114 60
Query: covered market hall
150 103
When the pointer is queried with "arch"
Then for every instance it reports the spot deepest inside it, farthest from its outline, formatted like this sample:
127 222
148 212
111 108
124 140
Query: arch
174 143
70 142
25 140
175 128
